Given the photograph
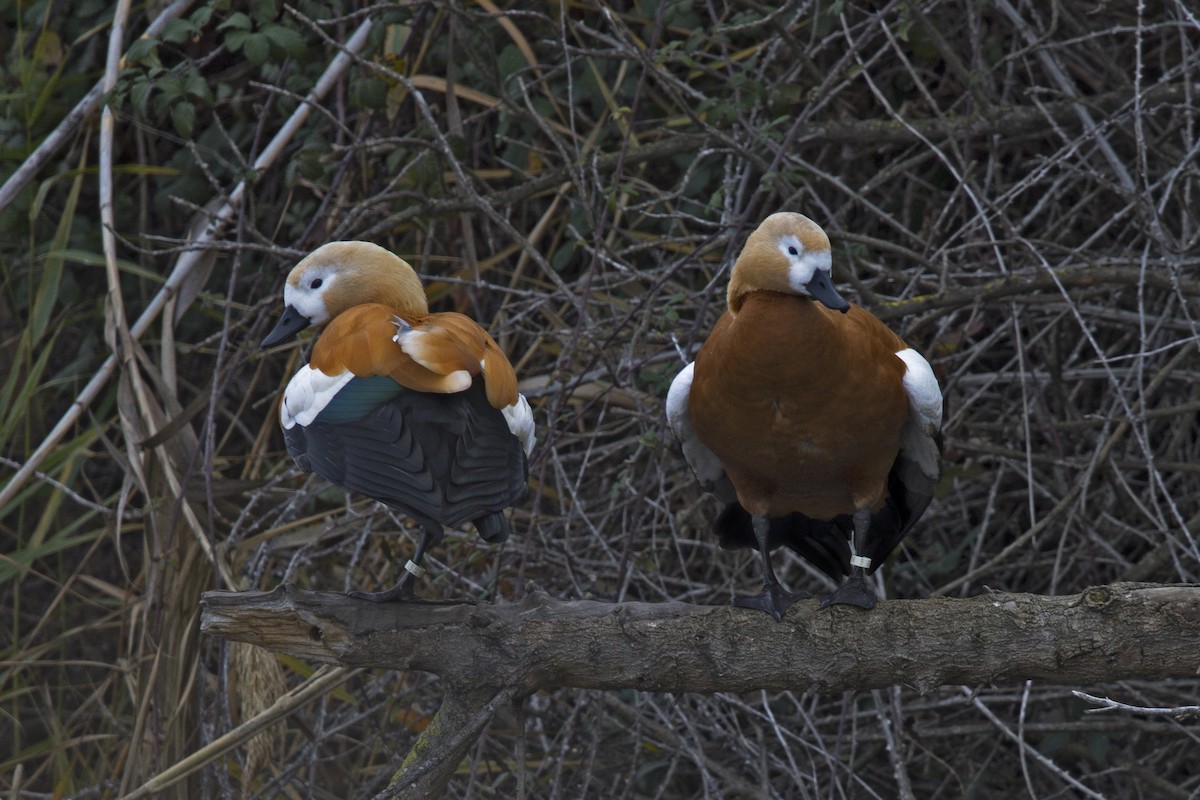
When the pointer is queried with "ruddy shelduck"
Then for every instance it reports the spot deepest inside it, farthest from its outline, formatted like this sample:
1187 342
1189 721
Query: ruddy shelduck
419 411
814 423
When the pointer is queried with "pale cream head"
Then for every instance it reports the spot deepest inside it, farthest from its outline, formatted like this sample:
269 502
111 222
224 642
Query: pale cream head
787 253
341 275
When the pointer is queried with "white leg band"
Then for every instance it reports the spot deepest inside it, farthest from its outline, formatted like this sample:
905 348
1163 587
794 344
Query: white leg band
418 571
860 561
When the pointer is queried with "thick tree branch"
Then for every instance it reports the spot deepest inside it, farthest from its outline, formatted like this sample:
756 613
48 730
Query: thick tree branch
488 654
1107 633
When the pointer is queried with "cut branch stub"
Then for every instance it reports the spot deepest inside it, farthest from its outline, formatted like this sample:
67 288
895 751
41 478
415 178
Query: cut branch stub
1105 634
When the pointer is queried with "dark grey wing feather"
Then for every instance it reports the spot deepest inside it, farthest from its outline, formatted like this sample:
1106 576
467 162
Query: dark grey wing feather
442 459
910 490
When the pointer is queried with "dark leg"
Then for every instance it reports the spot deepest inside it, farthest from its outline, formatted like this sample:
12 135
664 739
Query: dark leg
403 590
773 600
855 591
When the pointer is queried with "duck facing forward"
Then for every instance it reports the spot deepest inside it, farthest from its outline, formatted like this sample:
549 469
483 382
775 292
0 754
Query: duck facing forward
419 411
814 423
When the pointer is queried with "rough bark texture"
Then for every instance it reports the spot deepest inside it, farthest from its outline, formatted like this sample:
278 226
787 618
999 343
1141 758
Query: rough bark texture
488 654
1107 633
464 713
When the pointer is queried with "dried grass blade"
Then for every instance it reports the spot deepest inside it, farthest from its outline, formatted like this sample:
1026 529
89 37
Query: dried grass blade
187 262
322 681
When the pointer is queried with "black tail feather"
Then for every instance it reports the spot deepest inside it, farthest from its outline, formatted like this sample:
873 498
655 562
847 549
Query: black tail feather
822 543
492 527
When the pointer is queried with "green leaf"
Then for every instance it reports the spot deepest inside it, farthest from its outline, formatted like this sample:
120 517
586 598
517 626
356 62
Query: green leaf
235 39
139 93
196 87
17 561
369 92
183 116
143 51
48 49
178 31
264 11
510 61
16 395
238 21
288 40
310 166
47 296
257 48
201 16
171 85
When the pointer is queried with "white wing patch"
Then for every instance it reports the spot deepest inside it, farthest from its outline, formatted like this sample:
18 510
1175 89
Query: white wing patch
924 394
519 417
307 394
924 412
704 463
677 403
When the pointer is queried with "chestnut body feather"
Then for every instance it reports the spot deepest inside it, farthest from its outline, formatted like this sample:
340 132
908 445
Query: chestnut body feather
419 411
817 421
808 417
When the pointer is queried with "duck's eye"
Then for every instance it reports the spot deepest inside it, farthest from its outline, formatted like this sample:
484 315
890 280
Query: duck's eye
316 283
792 251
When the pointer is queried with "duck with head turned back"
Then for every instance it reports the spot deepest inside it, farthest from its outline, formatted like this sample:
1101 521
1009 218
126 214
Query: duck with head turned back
419 411
814 423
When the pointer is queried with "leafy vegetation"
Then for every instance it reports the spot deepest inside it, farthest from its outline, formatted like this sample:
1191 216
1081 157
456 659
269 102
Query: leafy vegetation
1011 187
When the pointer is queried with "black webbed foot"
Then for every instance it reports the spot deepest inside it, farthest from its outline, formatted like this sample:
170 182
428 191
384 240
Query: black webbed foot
403 590
774 600
854 592
400 593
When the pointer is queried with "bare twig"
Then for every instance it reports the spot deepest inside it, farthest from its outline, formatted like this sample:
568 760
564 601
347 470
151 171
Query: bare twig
1108 704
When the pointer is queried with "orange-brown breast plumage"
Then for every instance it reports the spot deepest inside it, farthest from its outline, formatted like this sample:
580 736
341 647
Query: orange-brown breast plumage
809 419
801 404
